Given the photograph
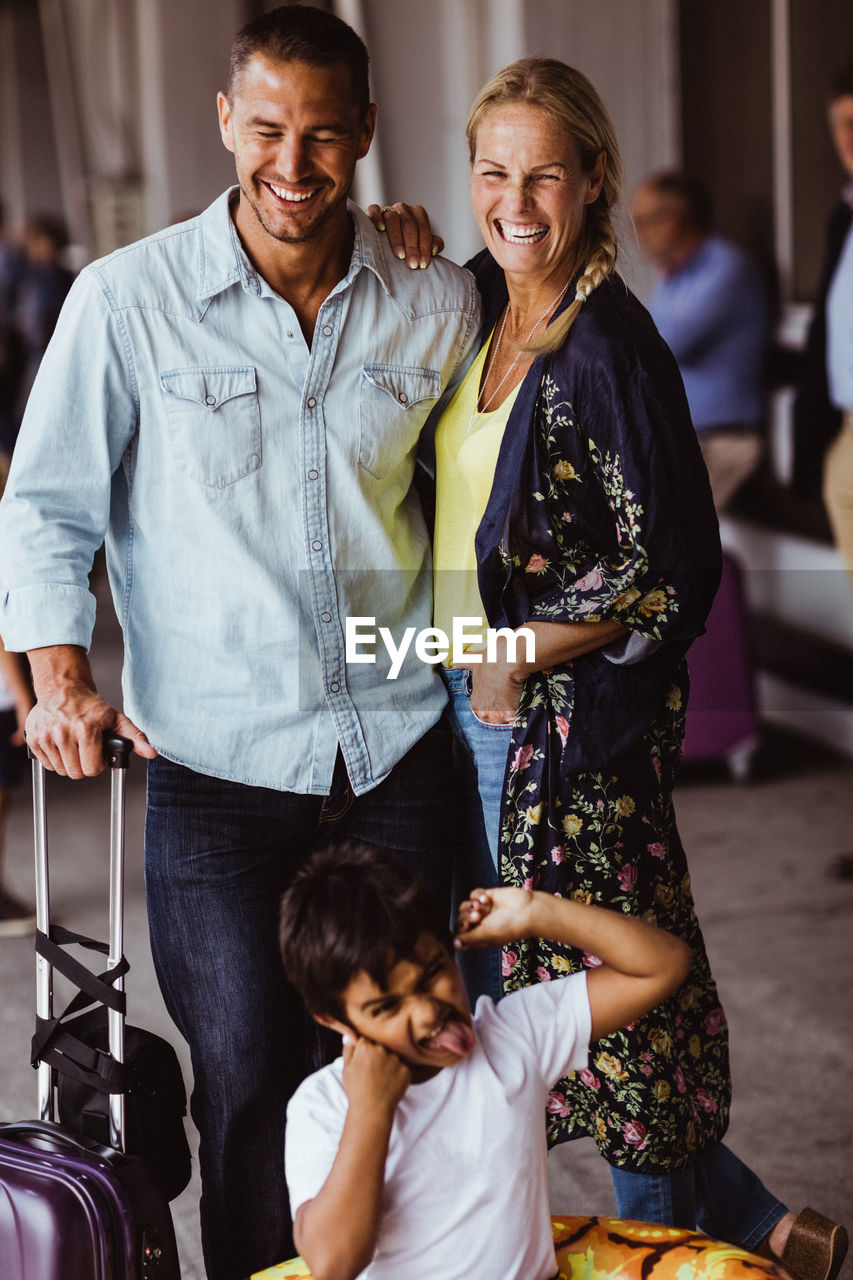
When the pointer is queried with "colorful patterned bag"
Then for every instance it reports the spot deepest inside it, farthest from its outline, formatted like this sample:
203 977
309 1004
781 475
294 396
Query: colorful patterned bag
613 1249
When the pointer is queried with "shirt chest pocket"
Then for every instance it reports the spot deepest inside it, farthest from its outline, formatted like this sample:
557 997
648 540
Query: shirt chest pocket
395 400
214 422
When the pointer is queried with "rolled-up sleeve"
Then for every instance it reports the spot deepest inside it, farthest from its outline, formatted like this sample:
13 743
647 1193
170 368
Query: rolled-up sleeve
80 420
631 518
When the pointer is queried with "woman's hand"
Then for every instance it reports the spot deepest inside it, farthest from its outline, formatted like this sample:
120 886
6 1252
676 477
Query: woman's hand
492 917
496 687
495 693
409 232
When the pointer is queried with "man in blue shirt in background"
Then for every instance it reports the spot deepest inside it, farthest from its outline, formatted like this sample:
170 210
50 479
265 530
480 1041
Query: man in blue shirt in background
236 403
710 308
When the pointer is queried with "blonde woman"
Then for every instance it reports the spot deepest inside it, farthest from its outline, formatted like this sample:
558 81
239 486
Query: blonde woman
571 500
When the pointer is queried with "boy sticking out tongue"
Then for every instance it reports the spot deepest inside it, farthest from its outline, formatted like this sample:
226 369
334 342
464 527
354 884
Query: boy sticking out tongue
421 1152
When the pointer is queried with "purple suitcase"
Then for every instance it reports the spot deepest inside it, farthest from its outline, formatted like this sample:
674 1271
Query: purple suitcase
72 1211
721 712
69 1208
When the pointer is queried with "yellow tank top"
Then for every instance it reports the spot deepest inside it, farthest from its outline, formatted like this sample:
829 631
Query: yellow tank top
466 454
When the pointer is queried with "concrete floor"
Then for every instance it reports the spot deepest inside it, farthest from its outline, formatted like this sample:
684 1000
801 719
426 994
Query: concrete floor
778 930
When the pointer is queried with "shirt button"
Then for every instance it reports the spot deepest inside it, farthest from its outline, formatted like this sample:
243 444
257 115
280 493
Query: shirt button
210 399
311 402
334 687
313 475
290 333
327 330
316 546
403 398
327 617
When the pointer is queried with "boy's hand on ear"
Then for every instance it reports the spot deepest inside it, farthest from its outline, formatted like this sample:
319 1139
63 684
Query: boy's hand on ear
336 1232
374 1078
492 917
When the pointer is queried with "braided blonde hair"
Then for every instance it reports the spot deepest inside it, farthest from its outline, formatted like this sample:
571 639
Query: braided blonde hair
570 98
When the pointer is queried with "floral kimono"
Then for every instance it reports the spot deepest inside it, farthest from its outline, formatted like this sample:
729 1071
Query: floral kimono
601 508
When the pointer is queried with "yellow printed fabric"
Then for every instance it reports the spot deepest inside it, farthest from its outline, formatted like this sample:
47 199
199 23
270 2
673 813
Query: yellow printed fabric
293 1270
613 1249
467 444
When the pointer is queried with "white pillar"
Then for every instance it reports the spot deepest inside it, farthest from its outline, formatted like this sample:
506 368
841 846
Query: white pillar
183 61
29 165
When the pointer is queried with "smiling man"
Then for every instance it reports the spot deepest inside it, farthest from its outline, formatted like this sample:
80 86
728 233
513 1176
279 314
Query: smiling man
235 404
296 130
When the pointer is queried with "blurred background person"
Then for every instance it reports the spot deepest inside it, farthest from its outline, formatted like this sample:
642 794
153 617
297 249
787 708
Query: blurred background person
711 309
11 355
823 412
16 700
41 289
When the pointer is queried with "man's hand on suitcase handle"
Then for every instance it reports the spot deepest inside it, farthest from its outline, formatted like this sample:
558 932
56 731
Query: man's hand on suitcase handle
65 728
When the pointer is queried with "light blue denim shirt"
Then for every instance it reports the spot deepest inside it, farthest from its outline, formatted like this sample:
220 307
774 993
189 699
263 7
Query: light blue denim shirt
254 493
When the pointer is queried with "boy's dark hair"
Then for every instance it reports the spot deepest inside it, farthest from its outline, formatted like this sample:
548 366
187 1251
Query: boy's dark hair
300 33
352 909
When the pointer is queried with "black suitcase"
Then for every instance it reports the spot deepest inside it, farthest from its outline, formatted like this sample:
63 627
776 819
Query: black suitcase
70 1207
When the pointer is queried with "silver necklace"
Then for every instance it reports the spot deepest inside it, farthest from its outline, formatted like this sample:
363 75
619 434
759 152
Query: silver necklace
476 411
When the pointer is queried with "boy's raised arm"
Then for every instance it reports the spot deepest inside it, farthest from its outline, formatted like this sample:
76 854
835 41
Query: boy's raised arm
336 1232
641 965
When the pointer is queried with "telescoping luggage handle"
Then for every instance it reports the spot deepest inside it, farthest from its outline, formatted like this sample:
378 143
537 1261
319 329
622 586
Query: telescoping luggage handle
117 752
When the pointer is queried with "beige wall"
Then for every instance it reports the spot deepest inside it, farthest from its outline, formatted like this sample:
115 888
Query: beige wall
28 160
183 62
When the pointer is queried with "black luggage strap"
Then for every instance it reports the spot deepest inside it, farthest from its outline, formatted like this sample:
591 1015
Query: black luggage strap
71 1057
54 1041
98 987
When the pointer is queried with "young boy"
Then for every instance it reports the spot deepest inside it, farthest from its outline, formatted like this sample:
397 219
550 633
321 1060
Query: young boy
421 1152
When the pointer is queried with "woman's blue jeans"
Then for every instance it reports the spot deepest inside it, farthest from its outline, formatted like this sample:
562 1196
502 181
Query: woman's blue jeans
481 753
718 1193
219 855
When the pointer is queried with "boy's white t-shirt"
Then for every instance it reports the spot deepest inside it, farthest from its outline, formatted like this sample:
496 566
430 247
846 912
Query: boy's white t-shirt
466 1194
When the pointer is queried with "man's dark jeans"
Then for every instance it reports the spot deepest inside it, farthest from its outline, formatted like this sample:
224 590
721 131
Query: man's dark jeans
219 855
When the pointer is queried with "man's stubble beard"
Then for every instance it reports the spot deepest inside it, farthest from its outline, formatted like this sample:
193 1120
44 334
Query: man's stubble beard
311 231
